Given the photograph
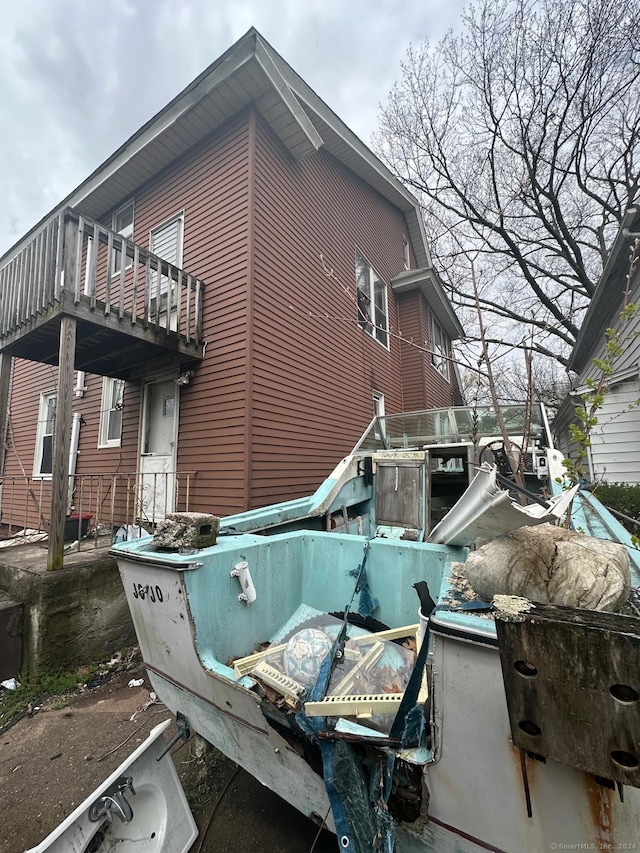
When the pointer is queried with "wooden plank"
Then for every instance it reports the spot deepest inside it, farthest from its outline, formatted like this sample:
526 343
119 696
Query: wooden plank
48 265
107 299
59 258
179 285
136 264
572 682
147 291
61 439
92 280
188 322
11 318
35 274
70 255
77 284
27 286
4 298
121 281
197 322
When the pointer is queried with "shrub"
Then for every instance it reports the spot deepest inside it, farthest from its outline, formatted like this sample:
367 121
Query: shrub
624 498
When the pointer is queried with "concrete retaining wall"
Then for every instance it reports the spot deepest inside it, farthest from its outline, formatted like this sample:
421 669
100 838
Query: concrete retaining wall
75 615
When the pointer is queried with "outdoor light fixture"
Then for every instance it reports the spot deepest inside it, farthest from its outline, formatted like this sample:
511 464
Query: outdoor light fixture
185 377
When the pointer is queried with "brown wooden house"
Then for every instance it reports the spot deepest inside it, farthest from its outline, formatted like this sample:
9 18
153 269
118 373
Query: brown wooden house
212 317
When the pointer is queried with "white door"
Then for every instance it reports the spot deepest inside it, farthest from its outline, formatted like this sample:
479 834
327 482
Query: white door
156 489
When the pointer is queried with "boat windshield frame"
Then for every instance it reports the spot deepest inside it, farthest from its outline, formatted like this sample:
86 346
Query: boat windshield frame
452 425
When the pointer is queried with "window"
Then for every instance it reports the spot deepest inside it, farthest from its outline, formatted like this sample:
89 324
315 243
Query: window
378 411
371 295
43 460
439 349
111 412
406 257
166 242
123 224
378 404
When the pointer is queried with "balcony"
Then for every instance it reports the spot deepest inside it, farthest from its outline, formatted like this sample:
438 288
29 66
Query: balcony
81 296
132 310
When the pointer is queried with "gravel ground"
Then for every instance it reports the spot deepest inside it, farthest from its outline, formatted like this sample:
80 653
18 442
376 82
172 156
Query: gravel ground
51 761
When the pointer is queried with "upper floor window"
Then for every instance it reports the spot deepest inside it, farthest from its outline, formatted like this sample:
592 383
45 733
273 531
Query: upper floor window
43 459
111 412
371 294
406 257
123 224
166 241
440 348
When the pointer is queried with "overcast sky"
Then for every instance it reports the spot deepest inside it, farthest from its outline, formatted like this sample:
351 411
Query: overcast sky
78 77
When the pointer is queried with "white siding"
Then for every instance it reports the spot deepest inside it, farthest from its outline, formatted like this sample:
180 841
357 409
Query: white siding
629 339
617 459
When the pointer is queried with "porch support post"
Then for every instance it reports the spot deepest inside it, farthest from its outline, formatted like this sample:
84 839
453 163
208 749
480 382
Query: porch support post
6 364
61 442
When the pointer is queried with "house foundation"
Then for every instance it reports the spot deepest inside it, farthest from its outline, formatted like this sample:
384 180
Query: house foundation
73 616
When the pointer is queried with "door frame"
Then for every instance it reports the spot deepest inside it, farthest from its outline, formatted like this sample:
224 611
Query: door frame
156 379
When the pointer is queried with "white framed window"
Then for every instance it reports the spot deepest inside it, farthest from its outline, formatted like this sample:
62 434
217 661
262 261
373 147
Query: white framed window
43 459
406 257
123 224
378 411
166 241
111 412
440 348
371 295
378 404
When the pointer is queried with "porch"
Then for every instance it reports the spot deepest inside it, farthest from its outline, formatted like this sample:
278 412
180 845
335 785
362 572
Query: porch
83 297
99 505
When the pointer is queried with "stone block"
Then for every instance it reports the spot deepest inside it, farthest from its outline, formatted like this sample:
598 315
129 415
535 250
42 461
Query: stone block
187 530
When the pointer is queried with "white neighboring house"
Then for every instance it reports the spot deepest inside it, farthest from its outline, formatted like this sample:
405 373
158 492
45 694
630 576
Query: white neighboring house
614 455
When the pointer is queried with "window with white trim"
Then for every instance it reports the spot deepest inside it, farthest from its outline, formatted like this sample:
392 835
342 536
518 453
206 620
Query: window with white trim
440 348
371 295
166 242
378 411
111 412
43 459
123 224
406 257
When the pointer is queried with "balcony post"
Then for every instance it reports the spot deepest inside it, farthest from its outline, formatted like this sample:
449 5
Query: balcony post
61 442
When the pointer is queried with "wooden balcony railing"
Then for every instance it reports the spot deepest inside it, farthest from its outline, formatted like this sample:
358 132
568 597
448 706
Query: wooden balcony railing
78 262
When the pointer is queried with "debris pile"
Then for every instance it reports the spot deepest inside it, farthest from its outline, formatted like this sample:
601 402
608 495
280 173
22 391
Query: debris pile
552 565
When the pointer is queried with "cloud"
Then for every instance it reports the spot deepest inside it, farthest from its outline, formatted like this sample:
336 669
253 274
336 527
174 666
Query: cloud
78 78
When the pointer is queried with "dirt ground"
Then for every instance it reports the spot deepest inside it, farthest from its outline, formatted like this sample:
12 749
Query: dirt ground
51 761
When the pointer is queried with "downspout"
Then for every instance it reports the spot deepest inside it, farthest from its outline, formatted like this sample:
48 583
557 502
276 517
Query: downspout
73 457
80 386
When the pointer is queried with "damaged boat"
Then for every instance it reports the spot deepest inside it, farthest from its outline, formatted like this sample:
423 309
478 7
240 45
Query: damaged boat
333 648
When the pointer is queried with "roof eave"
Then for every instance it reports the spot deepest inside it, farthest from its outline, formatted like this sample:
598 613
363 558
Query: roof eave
427 280
608 293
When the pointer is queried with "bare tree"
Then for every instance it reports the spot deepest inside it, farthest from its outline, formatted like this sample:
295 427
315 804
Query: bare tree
521 136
